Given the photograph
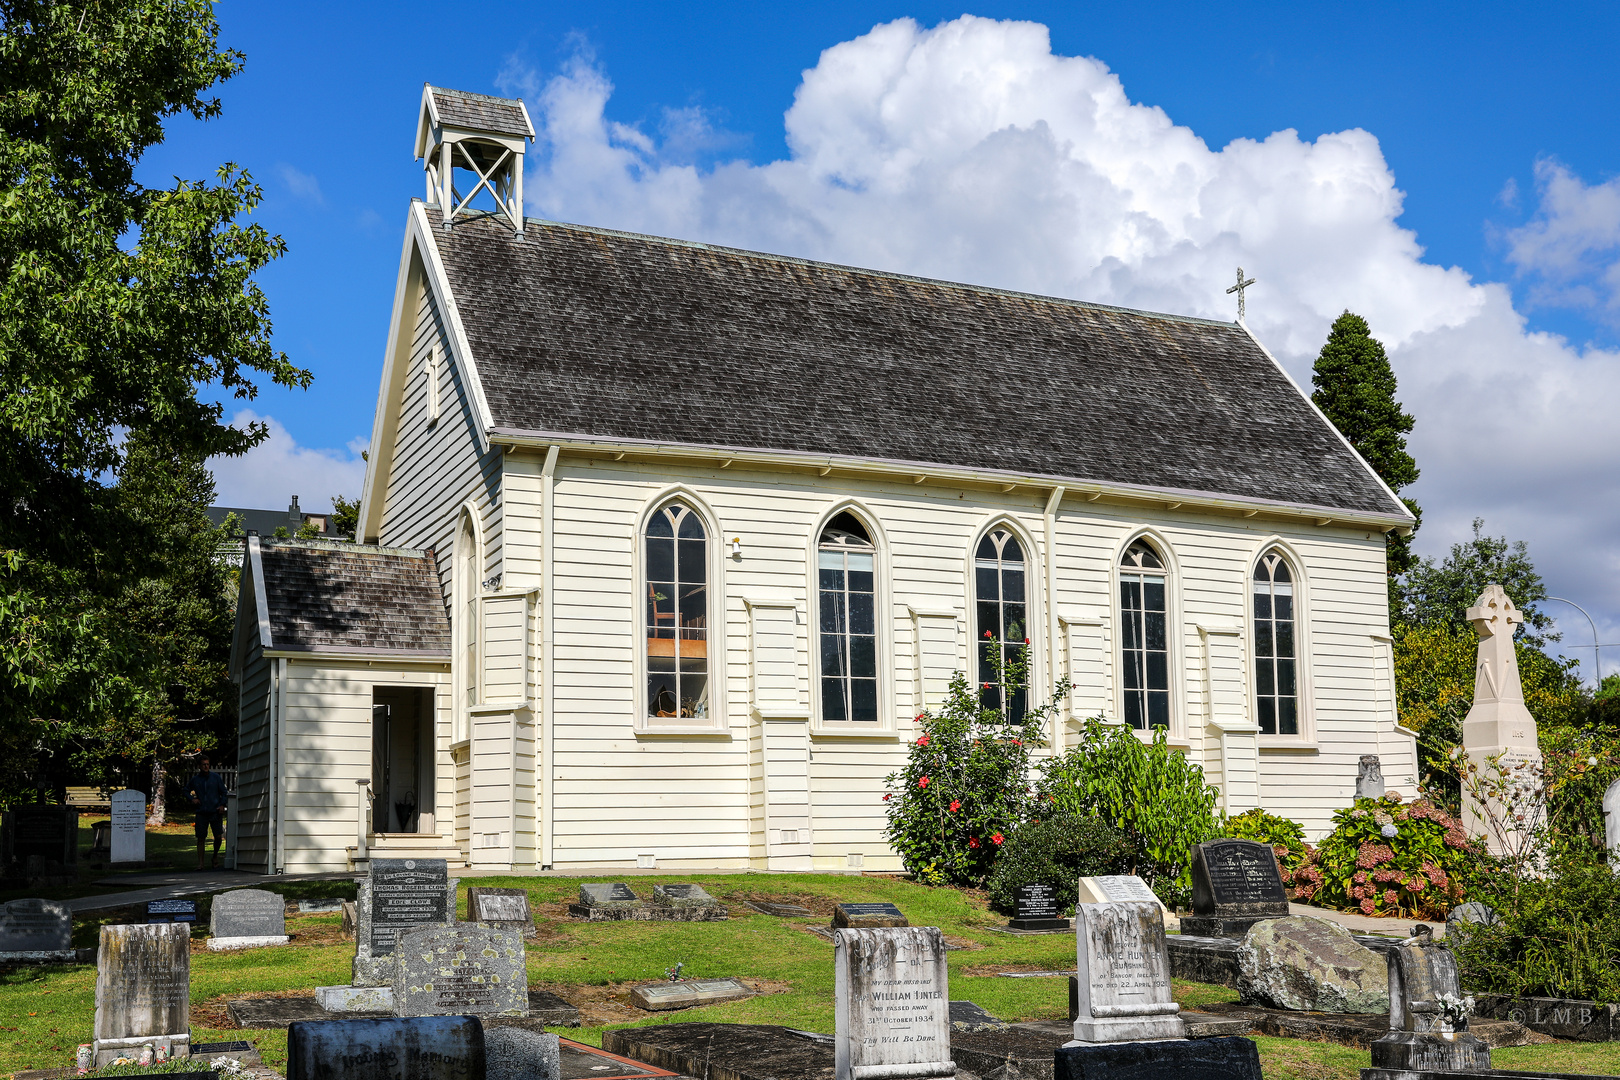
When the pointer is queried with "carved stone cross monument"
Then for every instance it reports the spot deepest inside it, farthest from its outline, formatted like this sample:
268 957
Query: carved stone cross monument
1498 722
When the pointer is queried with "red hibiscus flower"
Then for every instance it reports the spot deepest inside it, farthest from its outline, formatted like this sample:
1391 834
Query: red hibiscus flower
1026 641
923 782
888 796
956 804
986 686
973 841
998 838
923 741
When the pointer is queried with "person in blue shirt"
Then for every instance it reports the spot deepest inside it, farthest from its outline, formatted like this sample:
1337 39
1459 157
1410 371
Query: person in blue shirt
207 794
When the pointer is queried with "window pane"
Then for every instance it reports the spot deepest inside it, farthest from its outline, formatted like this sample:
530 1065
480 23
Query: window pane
1268 715
1131 628
1015 629
987 670
1285 677
832 699
859 580
1012 584
1281 573
830 560
1153 630
860 613
1158 709
832 655
1262 639
1262 604
984 582
863 657
1130 593
1133 669
1158 671
864 705
987 548
1285 639
990 698
861 561
1288 720
694 606
1153 593
660 560
661 699
693 643
691 526
663 660
1285 606
695 696
1135 709
831 578
694 663
1011 552
694 566
989 619
1265 677
832 612
1019 705
659 524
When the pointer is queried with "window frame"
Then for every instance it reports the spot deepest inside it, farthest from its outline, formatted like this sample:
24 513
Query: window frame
718 721
883 627
1034 609
466 593
1175 636
1304 697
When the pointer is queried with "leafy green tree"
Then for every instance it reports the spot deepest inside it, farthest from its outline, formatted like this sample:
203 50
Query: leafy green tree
1354 386
118 304
1433 592
345 516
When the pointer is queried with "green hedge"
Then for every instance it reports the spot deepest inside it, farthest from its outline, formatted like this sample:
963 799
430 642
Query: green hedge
1058 852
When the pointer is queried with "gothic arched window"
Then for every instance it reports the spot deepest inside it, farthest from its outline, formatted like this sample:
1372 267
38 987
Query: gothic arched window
677 606
1276 682
847 585
1144 637
998 583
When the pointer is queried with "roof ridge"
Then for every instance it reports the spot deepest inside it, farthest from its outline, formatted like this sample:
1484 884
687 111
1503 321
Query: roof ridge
892 275
468 95
266 542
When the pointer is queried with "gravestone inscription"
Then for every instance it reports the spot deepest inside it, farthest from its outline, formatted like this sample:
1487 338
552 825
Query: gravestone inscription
1117 888
385 1048
505 908
128 826
36 931
1423 1034
143 990
1235 884
891 1004
171 911
1035 907
466 969
246 919
868 915
1123 975
397 895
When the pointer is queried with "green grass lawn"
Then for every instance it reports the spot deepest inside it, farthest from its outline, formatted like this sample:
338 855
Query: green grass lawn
44 1015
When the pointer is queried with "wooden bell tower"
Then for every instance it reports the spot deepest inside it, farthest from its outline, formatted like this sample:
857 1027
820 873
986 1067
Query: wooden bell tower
481 135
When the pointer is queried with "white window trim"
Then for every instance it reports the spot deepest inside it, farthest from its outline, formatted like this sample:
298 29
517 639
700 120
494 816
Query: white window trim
719 722
461 715
435 368
883 626
1175 635
1040 679
1303 683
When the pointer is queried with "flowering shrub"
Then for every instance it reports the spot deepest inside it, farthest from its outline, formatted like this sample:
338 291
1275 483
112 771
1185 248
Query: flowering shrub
1385 858
1057 852
966 783
1287 838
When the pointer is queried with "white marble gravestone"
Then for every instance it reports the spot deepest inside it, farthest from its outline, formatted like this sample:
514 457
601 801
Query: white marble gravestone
143 990
892 1004
1611 814
1123 972
128 826
1498 721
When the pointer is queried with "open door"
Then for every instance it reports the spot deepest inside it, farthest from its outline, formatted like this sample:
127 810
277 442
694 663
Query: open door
402 760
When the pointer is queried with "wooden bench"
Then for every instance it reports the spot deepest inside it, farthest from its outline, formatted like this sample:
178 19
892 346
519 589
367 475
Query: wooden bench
88 798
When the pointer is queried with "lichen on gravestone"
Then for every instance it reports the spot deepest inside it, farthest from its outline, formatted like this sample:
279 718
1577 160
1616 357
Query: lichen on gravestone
1310 965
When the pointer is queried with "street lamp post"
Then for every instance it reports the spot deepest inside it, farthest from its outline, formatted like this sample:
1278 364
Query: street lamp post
1597 656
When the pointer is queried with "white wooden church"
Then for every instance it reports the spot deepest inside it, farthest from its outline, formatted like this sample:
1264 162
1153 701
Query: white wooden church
664 546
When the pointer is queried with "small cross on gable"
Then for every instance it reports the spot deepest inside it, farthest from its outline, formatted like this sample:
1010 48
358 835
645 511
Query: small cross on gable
1238 288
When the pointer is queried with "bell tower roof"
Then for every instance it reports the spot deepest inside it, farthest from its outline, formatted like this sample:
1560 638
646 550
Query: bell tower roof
478 134
458 112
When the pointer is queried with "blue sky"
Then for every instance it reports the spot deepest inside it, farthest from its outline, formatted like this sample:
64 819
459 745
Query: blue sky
1494 120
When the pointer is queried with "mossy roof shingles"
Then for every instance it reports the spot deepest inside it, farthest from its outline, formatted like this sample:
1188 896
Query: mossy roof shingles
332 596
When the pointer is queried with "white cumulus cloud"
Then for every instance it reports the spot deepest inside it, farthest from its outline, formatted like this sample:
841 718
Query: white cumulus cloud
1571 248
269 475
970 151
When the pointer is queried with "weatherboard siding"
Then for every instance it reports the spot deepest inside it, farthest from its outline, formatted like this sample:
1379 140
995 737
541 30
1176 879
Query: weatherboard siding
253 746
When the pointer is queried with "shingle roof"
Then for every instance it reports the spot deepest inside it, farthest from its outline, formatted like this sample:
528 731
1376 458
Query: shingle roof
590 332
328 595
504 116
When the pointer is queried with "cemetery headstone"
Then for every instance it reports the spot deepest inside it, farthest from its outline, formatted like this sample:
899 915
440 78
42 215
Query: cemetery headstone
892 1004
320 905
247 919
1035 907
351 918
1235 884
505 908
683 895
665 996
1427 1030
143 991
1464 917
42 840
1123 974
1611 815
1369 777
398 894
866 916
1116 888
514 1053
171 911
386 1048
128 826
1225 1058
36 931
607 900
467 969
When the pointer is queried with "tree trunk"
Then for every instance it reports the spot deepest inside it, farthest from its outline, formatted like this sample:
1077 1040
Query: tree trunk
159 810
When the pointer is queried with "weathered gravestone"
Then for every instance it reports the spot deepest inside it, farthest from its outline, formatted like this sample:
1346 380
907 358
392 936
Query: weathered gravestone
1235 884
684 994
686 897
507 909
39 841
1310 965
607 900
398 894
1226 1058
966 1016
891 1004
1123 975
324 904
413 1048
36 932
171 911
859 916
1035 907
128 841
248 919
1369 777
1119 888
1611 815
1427 1030
514 1053
466 969
143 991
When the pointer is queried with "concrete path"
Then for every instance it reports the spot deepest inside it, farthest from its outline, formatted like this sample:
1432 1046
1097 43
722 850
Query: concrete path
168 886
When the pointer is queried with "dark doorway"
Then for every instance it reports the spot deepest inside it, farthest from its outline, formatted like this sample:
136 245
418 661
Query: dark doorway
402 759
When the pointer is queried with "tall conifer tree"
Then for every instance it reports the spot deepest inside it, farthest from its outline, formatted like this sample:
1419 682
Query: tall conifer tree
1355 387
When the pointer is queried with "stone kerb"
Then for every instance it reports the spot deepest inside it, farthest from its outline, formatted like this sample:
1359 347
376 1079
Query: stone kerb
891 1004
467 969
247 919
1123 975
143 990
614 901
36 932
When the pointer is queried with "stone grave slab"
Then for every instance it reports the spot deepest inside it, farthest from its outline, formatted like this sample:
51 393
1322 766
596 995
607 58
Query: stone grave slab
545 1010
396 895
865 916
512 1053
966 1016
1235 884
247 919
143 990
504 908
171 911
467 969
387 1048
582 1062
891 1003
1035 907
686 993
355 999
128 841
1225 1058
740 1051
1420 1036
36 932
1310 965
683 895
609 900
1562 1018
1123 975
781 911
321 905
1359 1030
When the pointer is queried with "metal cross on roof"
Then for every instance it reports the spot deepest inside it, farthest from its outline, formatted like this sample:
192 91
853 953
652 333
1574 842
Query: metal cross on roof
1238 288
